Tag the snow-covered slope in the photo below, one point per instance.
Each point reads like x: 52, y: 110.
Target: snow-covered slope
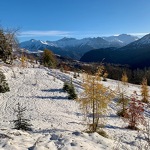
x: 72, y: 42
x: 58, y: 123
x: 34, y: 45
x: 144, y: 42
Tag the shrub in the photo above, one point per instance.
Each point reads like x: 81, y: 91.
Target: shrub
x: 102, y: 133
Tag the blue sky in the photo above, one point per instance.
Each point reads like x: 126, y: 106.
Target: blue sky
x: 55, y: 19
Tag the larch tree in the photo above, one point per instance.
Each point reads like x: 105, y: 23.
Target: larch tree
x: 95, y: 98
x: 144, y: 91
x: 122, y: 97
x: 105, y: 75
x: 124, y: 78
x: 122, y: 100
x: 23, y: 61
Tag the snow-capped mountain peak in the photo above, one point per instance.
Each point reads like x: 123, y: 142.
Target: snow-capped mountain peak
x: 141, y: 43
x: 75, y: 48
x: 145, y: 39
x: 124, y: 39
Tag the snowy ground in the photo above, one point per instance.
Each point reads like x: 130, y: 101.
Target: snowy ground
x: 57, y: 122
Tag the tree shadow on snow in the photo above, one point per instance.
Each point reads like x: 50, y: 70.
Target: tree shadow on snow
x: 79, y: 114
x: 112, y: 116
x: 49, y: 130
x: 52, y: 90
x: 113, y: 127
x: 52, y: 97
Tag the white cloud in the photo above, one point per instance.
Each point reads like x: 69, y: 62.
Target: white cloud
x: 76, y: 34
x: 44, y: 33
x: 139, y: 34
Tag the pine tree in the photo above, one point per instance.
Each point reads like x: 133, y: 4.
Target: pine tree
x: 144, y: 91
x: 21, y: 123
x: 48, y: 59
x: 66, y: 86
x: 95, y: 98
x: 69, y: 88
x: 71, y: 92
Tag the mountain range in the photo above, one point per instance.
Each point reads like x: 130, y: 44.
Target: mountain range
x: 76, y: 48
x: 135, y: 54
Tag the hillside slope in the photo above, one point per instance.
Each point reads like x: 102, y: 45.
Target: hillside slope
x: 57, y: 122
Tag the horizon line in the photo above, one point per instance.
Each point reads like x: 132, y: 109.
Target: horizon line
x: 34, y: 34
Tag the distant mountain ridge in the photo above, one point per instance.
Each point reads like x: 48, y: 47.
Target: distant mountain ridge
x: 75, y: 48
x: 123, y: 39
x: 135, y: 54
x: 144, y: 42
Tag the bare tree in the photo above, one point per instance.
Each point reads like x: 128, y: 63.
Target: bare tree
x: 11, y: 36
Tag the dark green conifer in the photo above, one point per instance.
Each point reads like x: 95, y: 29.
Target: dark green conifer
x: 21, y: 123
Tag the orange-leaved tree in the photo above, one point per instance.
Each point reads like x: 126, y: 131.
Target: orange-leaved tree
x: 95, y: 98
x: 144, y: 91
x: 122, y: 97
x: 135, y: 113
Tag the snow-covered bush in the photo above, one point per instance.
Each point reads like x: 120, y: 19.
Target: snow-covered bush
x: 3, y: 84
